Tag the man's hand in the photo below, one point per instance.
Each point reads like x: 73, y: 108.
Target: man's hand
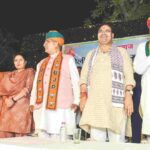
x: 74, y: 107
x: 128, y: 104
x: 83, y: 102
x: 83, y: 96
x: 35, y: 107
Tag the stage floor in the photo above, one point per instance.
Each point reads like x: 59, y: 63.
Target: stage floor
x: 32, y: 143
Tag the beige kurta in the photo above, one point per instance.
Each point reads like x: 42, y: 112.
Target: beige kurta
x: 98, y: 111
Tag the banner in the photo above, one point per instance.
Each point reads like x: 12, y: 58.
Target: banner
x: 80, y: 50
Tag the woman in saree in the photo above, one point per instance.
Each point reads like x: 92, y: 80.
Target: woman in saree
x: 15, y: 87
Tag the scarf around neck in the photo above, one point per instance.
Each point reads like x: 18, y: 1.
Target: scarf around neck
x: 147, y: 48
x: 117, y: 74
x: 53, y: 82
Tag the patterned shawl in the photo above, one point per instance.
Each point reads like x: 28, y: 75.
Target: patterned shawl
x: 117, y: 75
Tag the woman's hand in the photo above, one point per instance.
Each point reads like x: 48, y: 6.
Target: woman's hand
x: 22, y: 93
x: 9, y: 102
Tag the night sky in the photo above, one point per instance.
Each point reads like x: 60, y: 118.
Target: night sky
x: 35, y: 16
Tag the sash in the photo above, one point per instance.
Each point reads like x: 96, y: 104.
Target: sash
x: 53, y: 82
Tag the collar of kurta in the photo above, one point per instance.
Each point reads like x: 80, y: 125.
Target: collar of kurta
x: 53, y: 82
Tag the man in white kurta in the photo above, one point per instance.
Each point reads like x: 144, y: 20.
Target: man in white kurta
x: 142, y: 67
x: 48, y: 122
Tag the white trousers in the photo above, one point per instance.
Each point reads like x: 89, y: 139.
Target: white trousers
x: 148, y: 138
x: 50, y: 120
x: 106, y: 134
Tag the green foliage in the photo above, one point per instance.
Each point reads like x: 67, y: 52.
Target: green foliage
x: 119, y: 10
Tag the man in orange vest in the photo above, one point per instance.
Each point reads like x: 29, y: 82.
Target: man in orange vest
x: 55, y: 93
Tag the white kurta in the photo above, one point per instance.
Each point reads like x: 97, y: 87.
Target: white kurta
x: 142, y: 67
x: 50, y: 120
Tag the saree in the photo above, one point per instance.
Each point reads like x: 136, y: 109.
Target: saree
x: 15, y: 117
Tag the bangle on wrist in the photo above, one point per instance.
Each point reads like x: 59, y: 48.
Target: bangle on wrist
x: 13, y: 100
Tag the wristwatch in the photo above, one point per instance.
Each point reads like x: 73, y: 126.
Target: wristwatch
x: 130, y: 91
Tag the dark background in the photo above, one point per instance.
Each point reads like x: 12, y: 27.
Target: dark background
x: 23, y: 24
x: 35, y: 16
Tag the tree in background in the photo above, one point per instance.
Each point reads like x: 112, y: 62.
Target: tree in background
x: 118, y: 10
x: 32, y: 46
x: 8, y: 46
